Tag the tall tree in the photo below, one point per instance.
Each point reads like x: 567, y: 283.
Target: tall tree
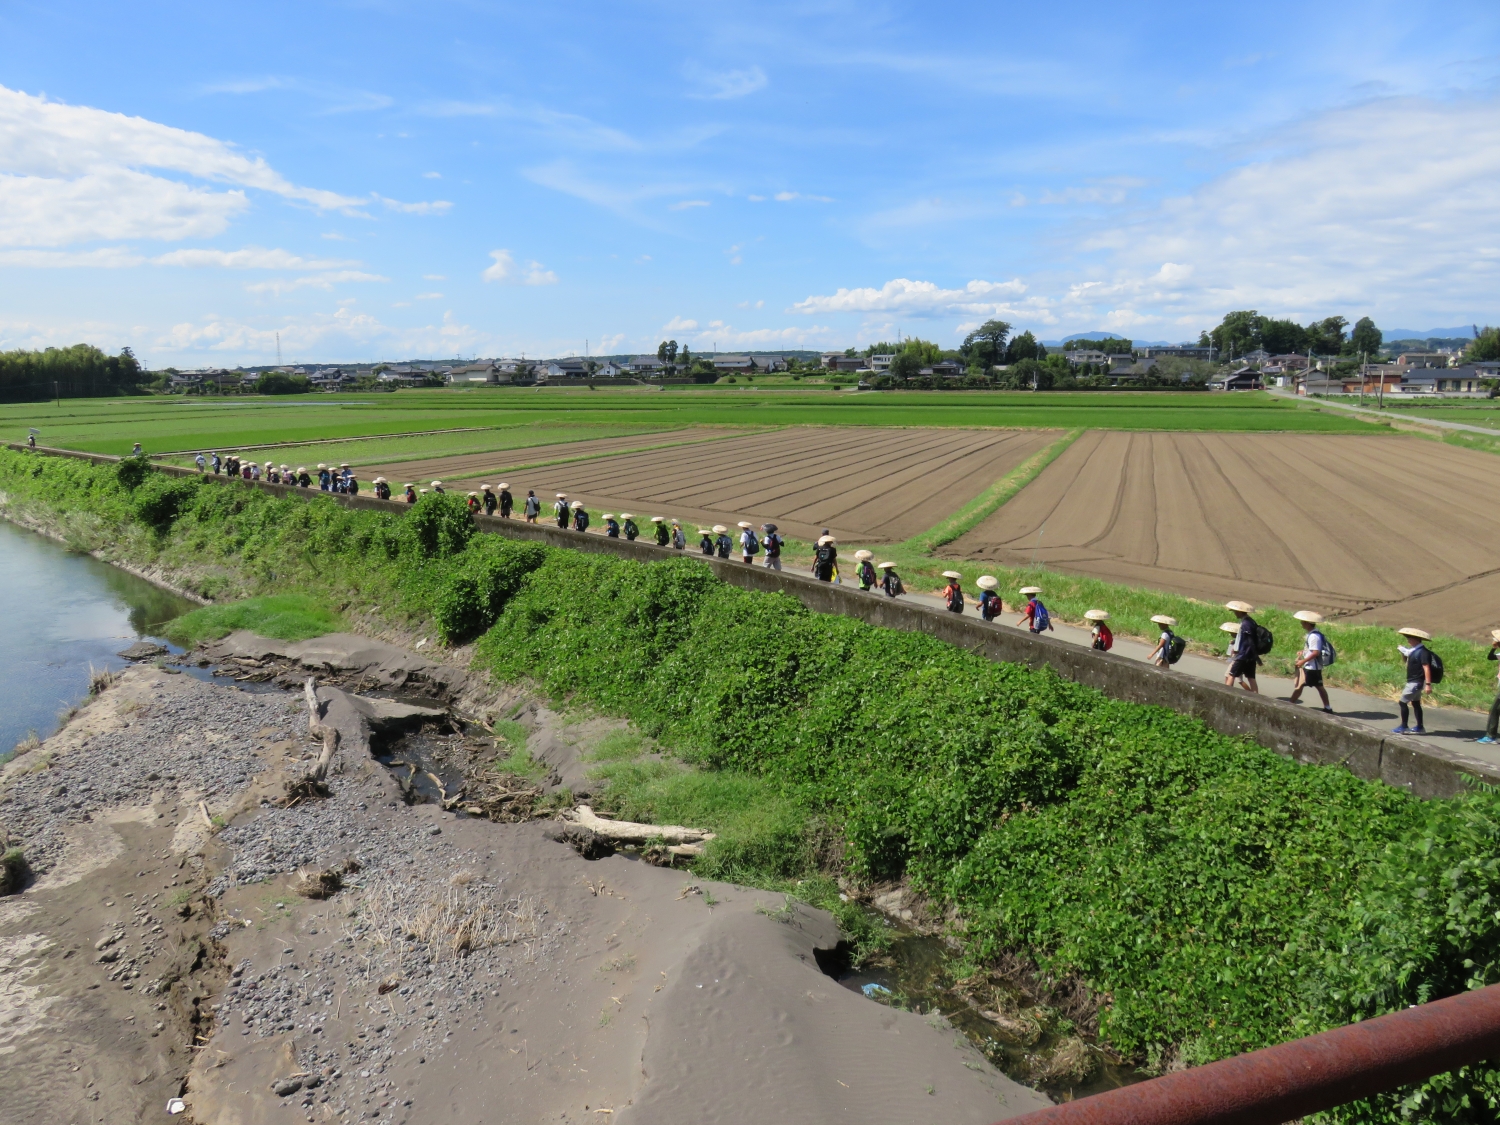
x: 1366, y: 337
x: 1486, y: 345
x: 1326, y: 336
x: 1022, y: 347
x: 1282, y: 337
x: 985, y: 346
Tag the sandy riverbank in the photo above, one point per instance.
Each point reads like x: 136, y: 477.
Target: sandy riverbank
x: 467, y: 971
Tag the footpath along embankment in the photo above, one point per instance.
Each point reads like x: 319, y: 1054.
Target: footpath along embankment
x: 1304, y: 735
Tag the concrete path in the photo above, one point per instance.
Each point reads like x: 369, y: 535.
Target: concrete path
x: 1450, y: 726
x: 1398, y: 416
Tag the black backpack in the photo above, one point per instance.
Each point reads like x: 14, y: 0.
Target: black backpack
x: 825, y: 555
x: 1175, y: 648
x: 1437, y: 667
x: 752, y: 544
x: 1264, y: 638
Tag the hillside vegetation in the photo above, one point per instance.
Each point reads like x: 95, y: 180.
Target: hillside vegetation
x: 1210, y: 895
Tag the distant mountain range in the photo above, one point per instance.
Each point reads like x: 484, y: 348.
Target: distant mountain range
x: 1464, y: 331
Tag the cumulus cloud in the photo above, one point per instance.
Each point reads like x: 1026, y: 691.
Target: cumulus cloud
x: 789, y: 196
x: 74, y: 173
x: 433, y: 207
x: 917, y: 298
x: 678, y: 324
x: 724, y: 84
x: 279, y: 286
x: 344, y: 332
x: 504, y: 268
x: 725, y: 335
x: 109, y: 257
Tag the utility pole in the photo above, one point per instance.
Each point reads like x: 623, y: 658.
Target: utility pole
x: 278, y: 349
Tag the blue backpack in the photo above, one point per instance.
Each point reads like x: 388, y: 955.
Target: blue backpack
x: 1041, y: 620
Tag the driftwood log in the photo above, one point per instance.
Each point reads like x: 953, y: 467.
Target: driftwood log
x: 679, y: 841
x: 319, y: 729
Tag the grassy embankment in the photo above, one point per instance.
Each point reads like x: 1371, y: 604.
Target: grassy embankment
x: 1212, y: 895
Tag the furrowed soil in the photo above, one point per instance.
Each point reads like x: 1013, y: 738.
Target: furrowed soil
x: 871, y: 485
x: 466, y: 971
x: 1383, y: 530
x: 474, y: 466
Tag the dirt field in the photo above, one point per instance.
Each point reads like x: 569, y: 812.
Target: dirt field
x: 866, y: 485
x: 1372, y: 528
x: 476, y: 466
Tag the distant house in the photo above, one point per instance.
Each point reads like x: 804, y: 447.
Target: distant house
x: 946, y: 369
x: 1179, y: 351
x: 644, y: 364
x: 1245, y: 379
x: 1258, y: 357
x: 847, y: 363
x: 571, y: 368
x: 1291, y: 362
x: 770, y: 362
x: 881, y: 362
x: 1423, y: 359
x: 734, y: 363
x: 609, y: 369
x: 401, y: 377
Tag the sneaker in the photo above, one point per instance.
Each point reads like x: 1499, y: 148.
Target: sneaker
x: 1487, y: 740
x: 1327, y: 710
x: 1417, y: 730
x: 1401, y: 730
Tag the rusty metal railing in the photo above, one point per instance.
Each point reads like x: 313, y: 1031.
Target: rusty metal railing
x: 1304, y: 1076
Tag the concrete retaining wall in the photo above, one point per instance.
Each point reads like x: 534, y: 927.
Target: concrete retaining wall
x: 1305, y: 735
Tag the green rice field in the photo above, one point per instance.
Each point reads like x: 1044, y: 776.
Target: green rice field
x: 514, y: 418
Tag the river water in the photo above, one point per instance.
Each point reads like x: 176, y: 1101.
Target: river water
x: 62, y: 612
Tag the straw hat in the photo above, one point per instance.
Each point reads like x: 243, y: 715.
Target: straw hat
x: 343, y: 464
x: 623, y: 515
x: 886, y: 565
x: 301, y: 469
x: 1031, y: 589
x: 269, y: 465
x: 1163, y: 619
x: 662, y: 519
x: 719, y: 529
x: 576, y: 505
x: 1308, y: 615
x: 485, y: 488
x: 864, y: 554
x: 1413, y: 631
x: 380, y: 480
x: 1097, y: 615
x: 952, y: 574
x: 705, y: 531
x: 437, y: 484
x: 826, y: 539
x: 562, y: 495
x: 1230, y: 627
x: 283, y: 468
x: 475, y: 495
x: 987, y: 582
x: 321, y: 466
x: 607, y: 516
x: 746, y: 524
x: 502, y: 486
x: 1495, y: 635
x: 424, y: 491
x: 408, y: 486
x: 1239, y: 607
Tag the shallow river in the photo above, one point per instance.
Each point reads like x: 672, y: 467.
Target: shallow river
x: 61, y: 612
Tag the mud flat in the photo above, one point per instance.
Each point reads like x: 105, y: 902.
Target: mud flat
x: 1371, y: 528
x: 866, y: 484
x: 436, y: 967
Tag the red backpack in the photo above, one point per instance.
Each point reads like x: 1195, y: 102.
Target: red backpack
x: 1106, y: 639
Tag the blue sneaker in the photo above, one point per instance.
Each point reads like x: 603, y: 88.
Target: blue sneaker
x: 1417, y: 730
x: 1401, y: 730
x: 1487, y: 740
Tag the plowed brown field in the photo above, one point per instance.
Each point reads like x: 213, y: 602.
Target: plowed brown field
x: 865, y: 484
x: 475, y: 466
x: 1371, y: 528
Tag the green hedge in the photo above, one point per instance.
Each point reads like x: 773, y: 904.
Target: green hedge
x: 1215, y: 896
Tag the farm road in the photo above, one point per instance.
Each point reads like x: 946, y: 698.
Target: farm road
x: 1450, y: 726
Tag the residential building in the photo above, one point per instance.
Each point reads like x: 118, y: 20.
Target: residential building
x: 1244, y: 379
x: 1423, y: 359
x: 1292, y: 362
x: 644, y: 364
x: 880, y: 363
x: 847, y: 363
x: 609, y: 369
x: 770, y: 362
x: 570, y: 368
x: 1179, y: 351
x: 734, y: 363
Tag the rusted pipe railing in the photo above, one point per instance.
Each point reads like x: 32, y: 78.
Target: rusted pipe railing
x: 1304, y: 1076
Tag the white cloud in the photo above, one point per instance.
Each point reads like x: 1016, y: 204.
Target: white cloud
x: 335, y: 99
x: 756, y: 198
x: 724, y: 335
x: 610, y: 343
x: 920, y: 298
x: 278, y: 286
x: 344, y: 332
x: 789, y: 196
x: 428, y: 297
x: 74, y: 173
x: 722, y: 84
x: 432, y: 175
x: 109, y: 257
x: 678, y: 324
x: 435, y: 207
x: 687, y: 204
x: 505, y: 269
x: 434, y: 277
x: 250, y: 258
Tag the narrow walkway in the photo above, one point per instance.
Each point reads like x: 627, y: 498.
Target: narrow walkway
x: 1389, y: 417
x: 1446, y: 725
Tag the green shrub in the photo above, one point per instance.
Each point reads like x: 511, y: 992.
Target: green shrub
x: 159, y: 500
x: 439, y: 525
x: 474, y: 591
x: 130, y: 471
x: 13, y: 871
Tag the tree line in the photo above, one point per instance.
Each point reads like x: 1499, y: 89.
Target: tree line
x: 80, y: 371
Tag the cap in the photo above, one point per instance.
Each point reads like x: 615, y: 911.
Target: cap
x: 1413, y: 631
x: 987, y: 582
x: 952, y: 574
x: 1163, y: 619
x: 1096, y: 614
x: 1308, y: 615
x: 1230, y: 627
x: 864, y: 554
x: 1031, y: 589
x: 1239, y: 607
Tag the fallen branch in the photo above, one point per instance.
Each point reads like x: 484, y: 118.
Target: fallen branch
x: 319, y: 729
x: 629, y: 832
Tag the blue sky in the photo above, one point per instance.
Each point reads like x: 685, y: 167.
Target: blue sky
x: 383, y: 179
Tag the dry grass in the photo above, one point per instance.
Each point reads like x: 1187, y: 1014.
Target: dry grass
x: 100, y: 679
x: 452, y: 920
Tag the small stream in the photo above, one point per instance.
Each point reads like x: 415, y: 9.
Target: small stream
x: 914, y: 974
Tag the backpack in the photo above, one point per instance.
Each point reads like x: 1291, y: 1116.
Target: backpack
x: 1041, y: 620
x: 1175, y: 648
x: 1106, y: 638
x: 1328, y: 654
x: 955, y: 598
x: 751, y: 544
x: 1264, y: 638
x: 1437, y: 667
x: 825, y: 556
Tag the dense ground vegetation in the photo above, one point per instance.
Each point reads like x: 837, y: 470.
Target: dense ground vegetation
x: 80, y: 371
x: 1211, y: 895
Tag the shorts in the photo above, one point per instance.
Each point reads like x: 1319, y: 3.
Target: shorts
x: 1312, y: 677
x: 773, y: 562
x: 1412, y: 693
x: 1243, y: 666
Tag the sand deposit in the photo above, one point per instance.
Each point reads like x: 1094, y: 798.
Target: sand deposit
x: 457, y: 970
x: 1371, y: 528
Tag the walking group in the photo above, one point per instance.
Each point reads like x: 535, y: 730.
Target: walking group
x: 340, y: 480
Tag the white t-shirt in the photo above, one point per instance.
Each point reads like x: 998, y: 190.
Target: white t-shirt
x: 1312, y: 648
